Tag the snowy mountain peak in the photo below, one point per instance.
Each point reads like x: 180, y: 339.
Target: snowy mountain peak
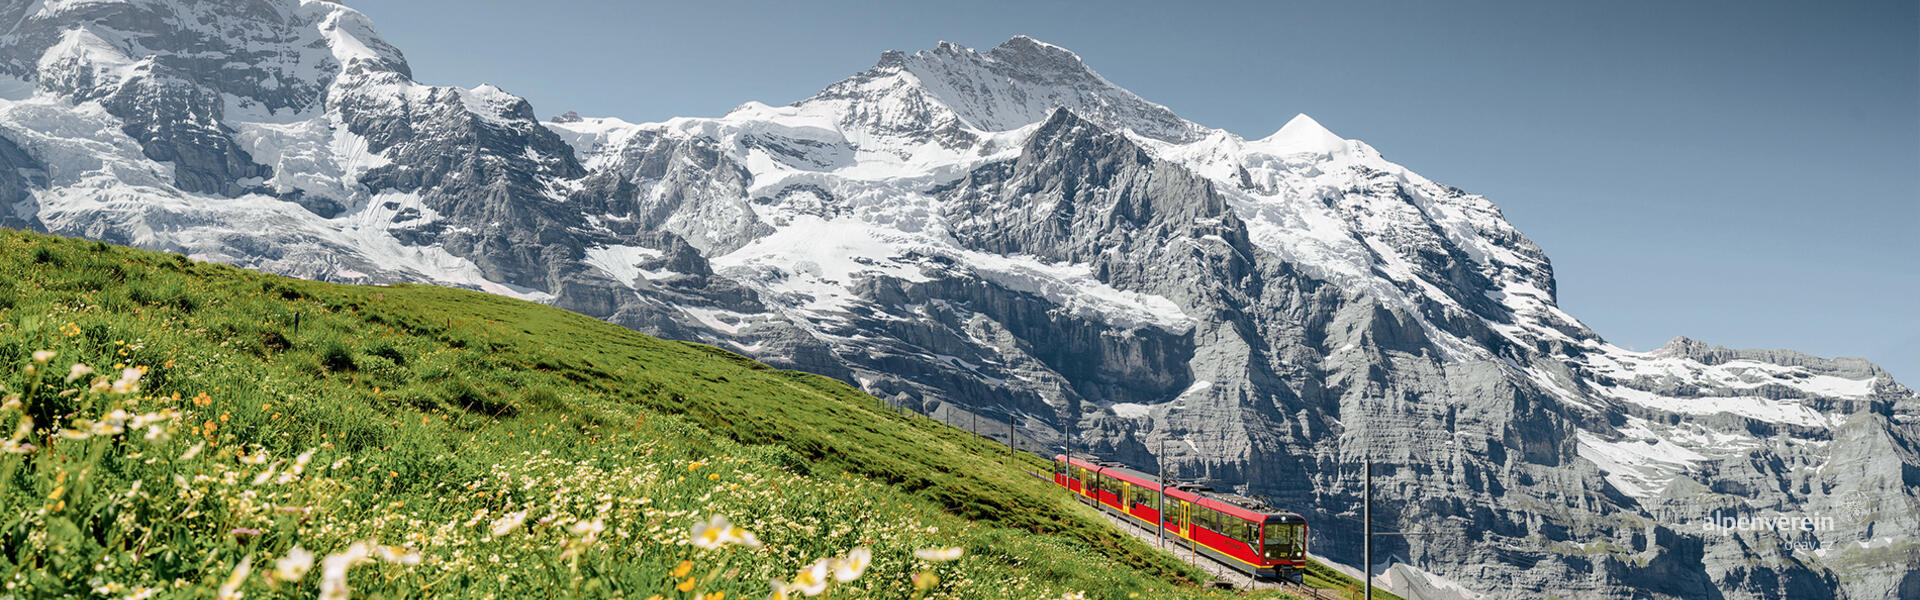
x: 1302, y: 134
x: 269, y: 55
x: 1015, y: 84
x: 1021, y: 48
x: 1681, y: 346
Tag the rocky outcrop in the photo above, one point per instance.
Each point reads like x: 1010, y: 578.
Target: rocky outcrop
x: 20, y: 175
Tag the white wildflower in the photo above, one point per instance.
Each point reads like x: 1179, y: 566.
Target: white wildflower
x: 231, y: 589
x: 129, y: 382
x: 333, y: 571
x: 812, y: 581
x: 711, y: 534
x: 397, y: 555
x: 262, y: 478
x: 939, y: 554
x: 589, y: 531
x: 509, y: 523
x: 855, y: 563
x: 293, y: 566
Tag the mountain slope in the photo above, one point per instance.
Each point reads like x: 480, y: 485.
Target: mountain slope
x: 1007, y: 234
x: 461, y: 408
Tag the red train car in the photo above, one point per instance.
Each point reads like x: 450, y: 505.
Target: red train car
x: 1234, y: 530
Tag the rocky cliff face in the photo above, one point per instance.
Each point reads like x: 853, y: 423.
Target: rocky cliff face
x: 1005, y: 235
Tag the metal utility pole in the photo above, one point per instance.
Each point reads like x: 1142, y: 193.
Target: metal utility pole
x: 1160, y: 529
x: 1366, y: 520
x: 1069, y: 429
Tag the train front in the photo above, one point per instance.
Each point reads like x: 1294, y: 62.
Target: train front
x: 1283, y: 545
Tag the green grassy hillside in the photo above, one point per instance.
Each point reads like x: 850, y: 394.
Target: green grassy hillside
x: 419, y: 440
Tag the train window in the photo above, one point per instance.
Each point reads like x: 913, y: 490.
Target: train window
x: 1243, y: 530
x: 1284, y: 541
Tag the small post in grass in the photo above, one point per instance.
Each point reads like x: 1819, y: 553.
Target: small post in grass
x: 1010, y: 438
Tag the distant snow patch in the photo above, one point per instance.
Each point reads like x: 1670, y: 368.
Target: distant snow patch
x: 623, y: 262
x: 1642, y: 463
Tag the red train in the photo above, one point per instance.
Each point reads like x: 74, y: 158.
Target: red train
x: 1235, y: 530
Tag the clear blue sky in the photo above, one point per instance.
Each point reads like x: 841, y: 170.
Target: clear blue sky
x: 1743, y: 173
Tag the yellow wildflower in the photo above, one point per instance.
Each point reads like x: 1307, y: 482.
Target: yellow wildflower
x: 925, y: 580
